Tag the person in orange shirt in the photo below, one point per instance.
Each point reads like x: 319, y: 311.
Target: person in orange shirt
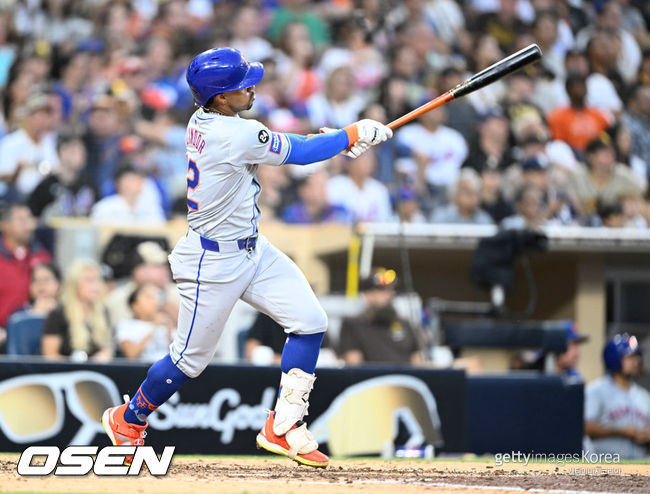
x: 577, y: 124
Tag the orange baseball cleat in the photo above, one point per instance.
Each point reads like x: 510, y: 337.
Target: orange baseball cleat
x: 121, y: 432
x: 297, y: 444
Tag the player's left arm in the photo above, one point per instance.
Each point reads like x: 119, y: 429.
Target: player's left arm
x: 354, y: 139
x: 254, y: 143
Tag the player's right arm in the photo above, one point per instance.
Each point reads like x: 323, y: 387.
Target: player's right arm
x: 257, y: 144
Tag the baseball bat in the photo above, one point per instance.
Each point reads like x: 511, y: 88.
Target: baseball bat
x: 486, y: 76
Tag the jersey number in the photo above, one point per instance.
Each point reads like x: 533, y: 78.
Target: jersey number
x: 193, y: 175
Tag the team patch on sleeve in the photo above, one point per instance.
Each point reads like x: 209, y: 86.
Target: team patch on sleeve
x: 263, y: 136
x: 276, y: 144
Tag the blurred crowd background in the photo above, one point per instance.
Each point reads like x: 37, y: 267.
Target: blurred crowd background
x: 94, y: 106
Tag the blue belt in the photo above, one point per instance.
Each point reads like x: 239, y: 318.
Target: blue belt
x: 244, y: 243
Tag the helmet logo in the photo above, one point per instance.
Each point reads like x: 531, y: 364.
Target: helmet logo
x: 245, y: 61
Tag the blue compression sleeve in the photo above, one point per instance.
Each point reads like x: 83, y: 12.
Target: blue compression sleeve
x: 305, y: 150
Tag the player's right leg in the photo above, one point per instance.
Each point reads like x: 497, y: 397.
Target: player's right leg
x: 280, y: 290
x: 209, y: 283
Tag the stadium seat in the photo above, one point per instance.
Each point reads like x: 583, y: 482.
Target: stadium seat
x: 24, y: 332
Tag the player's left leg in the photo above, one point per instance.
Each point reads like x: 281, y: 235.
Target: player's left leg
x: 280, y: 290
x: 209, y: 283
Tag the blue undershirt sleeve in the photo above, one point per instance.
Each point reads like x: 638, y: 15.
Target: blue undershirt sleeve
x: 305, y: 150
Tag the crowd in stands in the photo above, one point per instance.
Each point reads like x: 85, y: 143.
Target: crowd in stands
x: 94, y: 105
x: 89, y: 314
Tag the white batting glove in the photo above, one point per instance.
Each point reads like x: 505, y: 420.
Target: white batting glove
x: 372, y: 131
x: 357, y: 149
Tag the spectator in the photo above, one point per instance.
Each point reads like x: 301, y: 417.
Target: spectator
x: 465, y: 194
x: 492, y: 149
x: 567, y: 361
x: 379, y: 334
x: 637, y: 120
x: 78, y: 328
x: 313, y: 205
x: 559, y: 206
x: 296, y: 73
x: 245, y: 30
x: 624, y: 154
x: 635, y: 210
x: 604, y: 83
x: 407, y: 205
x: 146, y: 337
x: 44, y: 286
x: 577, y: 124
x: 357, y: 52
x: 437, y: 153
x: 66, y: 192
x: 464, y: 117
x: 611, y: 215
x: 102, y: 140
x: 133, y: 204
x: 340, y: 104
x: 529, y: 205
x: 504, y: 23
x: 298, y: 11
x: 169, y: 161
x: 602, y: 179
x: 150, y: 267
x: 545, y: 32
x: 492, y: 200
x: 628, y: 53
x: 29, y: 153
x: 273, y: 199
x: 19, y: 254
x: 358, y: 192
x: 616, y: 408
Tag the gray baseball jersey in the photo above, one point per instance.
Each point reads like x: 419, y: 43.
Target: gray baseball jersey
x: 608, y: 404
x: 223, y: 155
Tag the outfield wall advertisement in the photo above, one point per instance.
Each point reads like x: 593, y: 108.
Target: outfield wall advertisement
x: 358, y: 411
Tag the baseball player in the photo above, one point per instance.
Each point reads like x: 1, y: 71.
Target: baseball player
x: 617, y: 410
x: 223, y: 257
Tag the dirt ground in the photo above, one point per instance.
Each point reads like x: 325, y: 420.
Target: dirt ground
x: 270, y: 475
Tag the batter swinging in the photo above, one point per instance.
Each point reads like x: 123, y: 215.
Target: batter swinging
x: 223, y: 257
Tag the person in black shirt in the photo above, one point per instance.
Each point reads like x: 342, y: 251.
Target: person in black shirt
x: 65, y: 192
x: 79, y: 327
x: 379, y: 334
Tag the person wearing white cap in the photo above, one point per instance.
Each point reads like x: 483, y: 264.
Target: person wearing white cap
x: 29, y: 153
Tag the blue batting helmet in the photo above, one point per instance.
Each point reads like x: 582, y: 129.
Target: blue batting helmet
x: 617, y: 348
x: 220, y: 70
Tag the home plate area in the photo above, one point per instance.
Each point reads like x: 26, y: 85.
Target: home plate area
x: 261, y: 475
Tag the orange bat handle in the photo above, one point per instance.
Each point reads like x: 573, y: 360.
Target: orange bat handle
x: 434, y: 103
